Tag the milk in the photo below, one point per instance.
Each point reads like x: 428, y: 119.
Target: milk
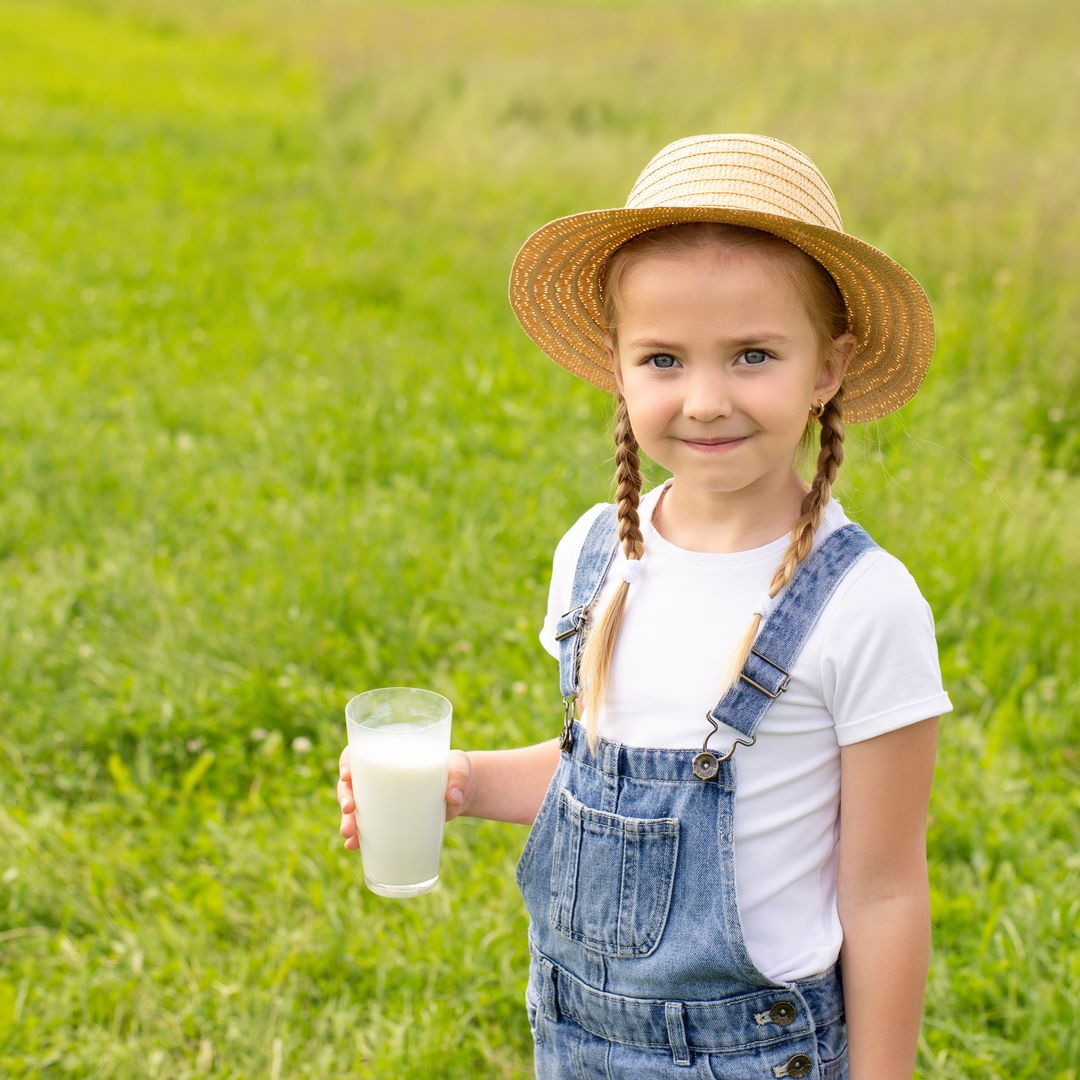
x: 399, y: 784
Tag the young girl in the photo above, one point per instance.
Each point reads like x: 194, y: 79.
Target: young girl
x: 726, y: 874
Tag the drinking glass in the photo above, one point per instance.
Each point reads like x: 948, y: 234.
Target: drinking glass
x: 399, y: 745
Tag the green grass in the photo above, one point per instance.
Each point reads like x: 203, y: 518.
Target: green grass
x: 270, y: 435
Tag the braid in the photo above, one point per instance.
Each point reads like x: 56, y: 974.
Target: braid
x: 802, y: 535
x: 829, y: 461
x: 627, y: 482
x: 599, y: 645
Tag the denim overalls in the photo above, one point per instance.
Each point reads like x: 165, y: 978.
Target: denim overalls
x: 638, y: 966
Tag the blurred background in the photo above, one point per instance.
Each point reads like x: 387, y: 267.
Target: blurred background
x: 270, y: 435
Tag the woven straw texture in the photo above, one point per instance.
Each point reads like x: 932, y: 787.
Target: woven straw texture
x: 745, y: 180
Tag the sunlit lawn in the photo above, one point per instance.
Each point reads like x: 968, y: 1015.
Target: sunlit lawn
x: 270, y: 435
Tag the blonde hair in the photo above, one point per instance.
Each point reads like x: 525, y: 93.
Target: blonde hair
x: 825, y: 307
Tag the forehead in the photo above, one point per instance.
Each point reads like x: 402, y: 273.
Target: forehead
x: 710, y: 284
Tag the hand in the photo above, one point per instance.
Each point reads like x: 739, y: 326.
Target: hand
x: 458, y: 793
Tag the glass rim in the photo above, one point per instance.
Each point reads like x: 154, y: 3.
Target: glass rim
x: 445, y: 717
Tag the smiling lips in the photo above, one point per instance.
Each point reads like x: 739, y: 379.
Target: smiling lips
x: 715, y: 446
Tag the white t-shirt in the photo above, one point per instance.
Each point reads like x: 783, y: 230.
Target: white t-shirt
x: 870, y: 665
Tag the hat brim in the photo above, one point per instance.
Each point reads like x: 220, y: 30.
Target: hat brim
x: 555, y: 294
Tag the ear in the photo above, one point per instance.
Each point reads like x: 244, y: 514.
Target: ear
x: 613, y: 357
x: 835, y: 366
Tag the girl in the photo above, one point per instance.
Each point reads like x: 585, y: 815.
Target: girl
x: 726, y: 875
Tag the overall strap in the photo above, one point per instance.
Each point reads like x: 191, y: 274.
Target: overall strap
x: 597, y: 554
x: 765, y: 674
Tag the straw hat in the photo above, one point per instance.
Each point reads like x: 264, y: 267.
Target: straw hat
x: 745, y: 180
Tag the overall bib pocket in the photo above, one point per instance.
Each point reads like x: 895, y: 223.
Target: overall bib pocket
x: 611, y: 878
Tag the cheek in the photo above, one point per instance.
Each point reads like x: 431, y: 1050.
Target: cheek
x: 650, y: 410
x: 780, y: 403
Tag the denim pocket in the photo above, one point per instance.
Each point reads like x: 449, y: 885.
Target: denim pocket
x: 611, y: 878
x: 533, y: 1012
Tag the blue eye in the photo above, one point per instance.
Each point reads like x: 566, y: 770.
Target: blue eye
x: 755, y: 357
x: 654, y: 361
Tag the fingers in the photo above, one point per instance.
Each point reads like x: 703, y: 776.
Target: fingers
x: 348, y: 814
x: 349, y: 832
x: 345, y: 800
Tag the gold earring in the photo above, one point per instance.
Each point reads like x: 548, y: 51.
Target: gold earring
x: 818, y: 409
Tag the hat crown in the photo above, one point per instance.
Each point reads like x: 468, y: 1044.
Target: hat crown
x: 741, y: 172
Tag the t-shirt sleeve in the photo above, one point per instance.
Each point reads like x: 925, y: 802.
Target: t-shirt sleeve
x: 563, y: 566
x: 879, y: 659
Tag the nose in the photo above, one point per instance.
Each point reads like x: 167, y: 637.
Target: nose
x: 708, y: 395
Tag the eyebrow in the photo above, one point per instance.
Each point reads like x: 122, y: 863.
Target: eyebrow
x: 744, y: 342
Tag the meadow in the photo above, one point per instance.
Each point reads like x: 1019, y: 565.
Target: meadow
x: 270, y: 435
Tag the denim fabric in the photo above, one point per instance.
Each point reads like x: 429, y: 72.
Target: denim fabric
x: 597, y: 554
x: 638, y: 966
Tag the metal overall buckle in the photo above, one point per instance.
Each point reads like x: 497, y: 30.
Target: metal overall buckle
x: 566, y: 740
x: 707, y: 764
x: 771, y: 695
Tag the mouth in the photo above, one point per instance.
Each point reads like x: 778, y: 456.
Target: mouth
x: 715, y: 446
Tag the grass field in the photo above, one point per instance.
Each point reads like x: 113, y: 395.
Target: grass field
x: 270, y: 435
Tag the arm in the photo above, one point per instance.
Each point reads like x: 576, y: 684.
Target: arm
x: 509, y: 785
x: 883, y: 896
x: 504, y: 785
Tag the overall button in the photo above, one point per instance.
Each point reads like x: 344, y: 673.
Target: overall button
x: 797, y: 1066
x: 706, y: 765
x: 782, y: 1013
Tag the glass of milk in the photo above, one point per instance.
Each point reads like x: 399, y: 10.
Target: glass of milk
x: 399, y: 745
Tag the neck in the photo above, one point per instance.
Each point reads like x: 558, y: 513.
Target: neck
x: 725, y: 522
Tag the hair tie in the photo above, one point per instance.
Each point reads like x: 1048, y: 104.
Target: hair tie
x: 631, y: 571
x: 765, y: 605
